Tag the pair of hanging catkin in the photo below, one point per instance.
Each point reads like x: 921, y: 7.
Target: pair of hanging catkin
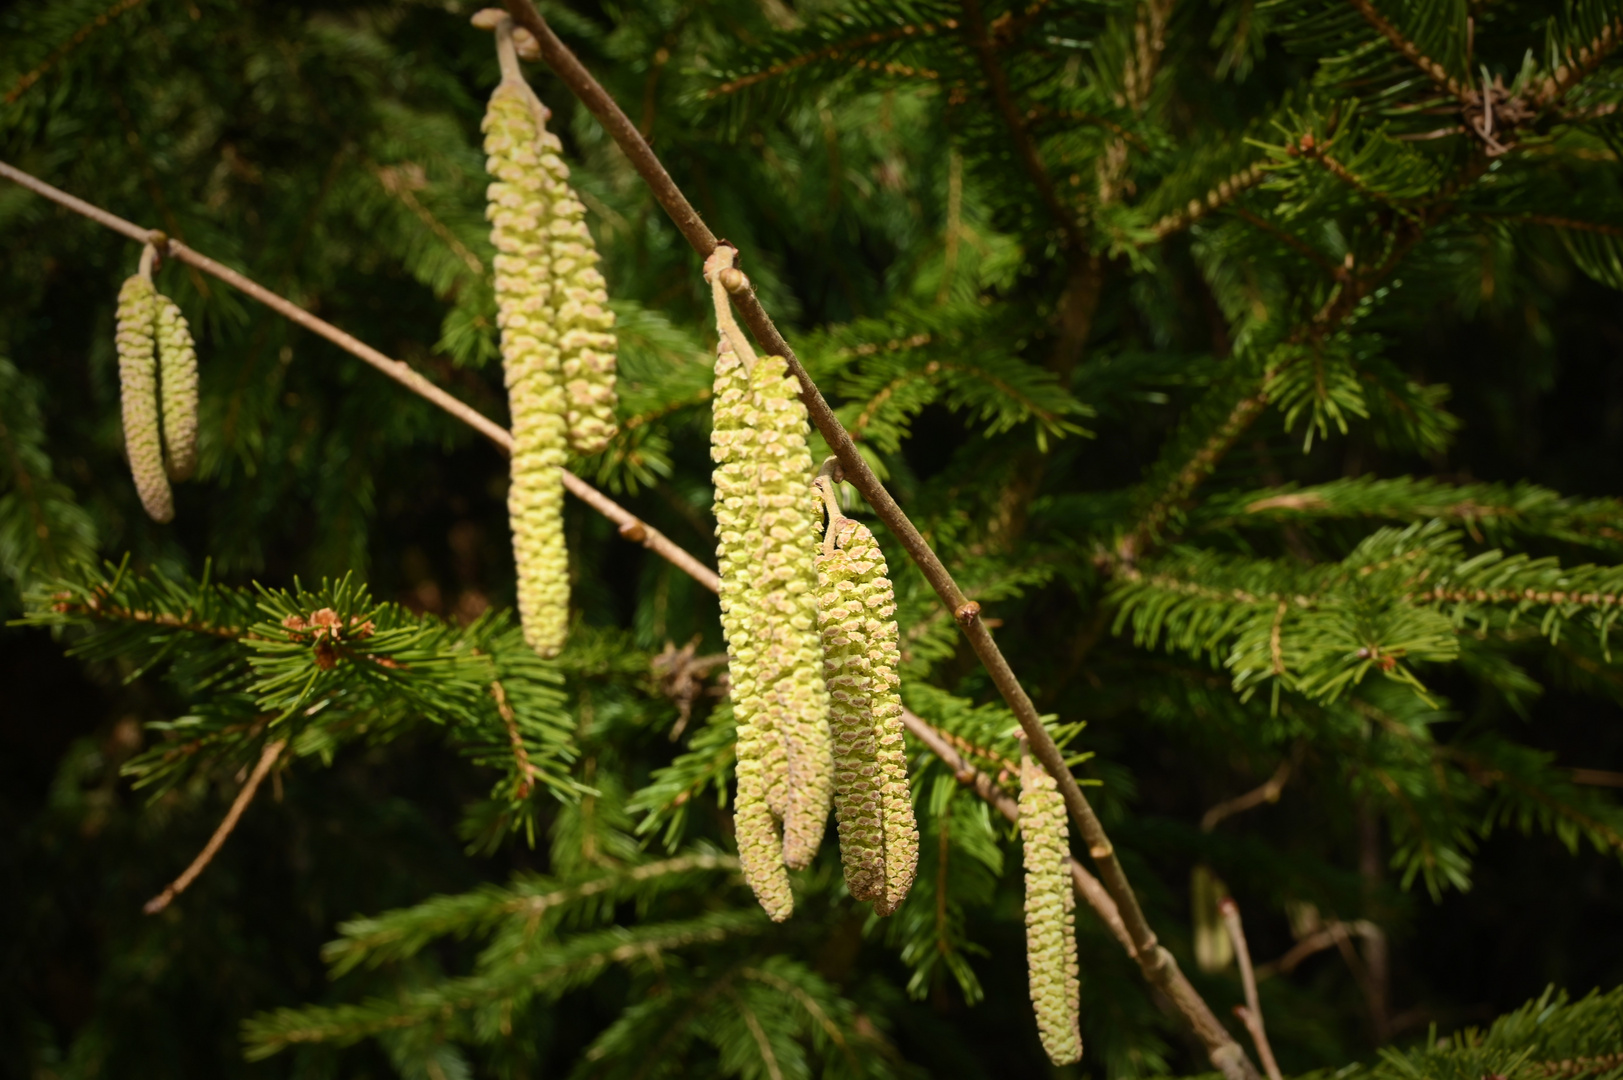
x: 157, y: 376
x: 557, y: 340
x: 807, y: 635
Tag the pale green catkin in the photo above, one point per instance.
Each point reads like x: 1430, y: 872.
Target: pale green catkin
x: 763, y: 770
x: 1050, y: 915
x: 520, y: 203
x: 879, y: 839
x: 784, y: 566
x: 177, y: 363
x: 138, y: 393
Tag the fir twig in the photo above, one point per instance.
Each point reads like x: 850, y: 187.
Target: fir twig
x: 262, y: 769
x: 1250, y: 1013
x: 1409, y: 50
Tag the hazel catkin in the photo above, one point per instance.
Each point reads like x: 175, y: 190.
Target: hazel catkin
x: 519, y: 210
x: 879, y: 842
x: 762, y: 766
x: 1051, y: 961
x: 138, y: 394
x: 790, y: 659
x: 177, y: 365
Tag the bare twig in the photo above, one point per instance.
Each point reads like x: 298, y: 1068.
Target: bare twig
x: 1331, y: 935
x: 1250, y: 1013
x: 1267, y: 792
x: 244, y: 797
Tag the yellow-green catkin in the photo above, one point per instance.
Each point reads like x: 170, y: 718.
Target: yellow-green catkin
x: 762, y: 765
x: 177, y: 365
x: 790, y: 671
x: 879, y: 839
x: 138, y: 392
x: 1050, y: 915
x: 519, y: 206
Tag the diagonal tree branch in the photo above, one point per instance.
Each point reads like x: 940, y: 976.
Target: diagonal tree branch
x: 1156, y: 962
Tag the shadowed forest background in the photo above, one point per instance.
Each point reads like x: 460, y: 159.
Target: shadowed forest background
x: 1445, y: 308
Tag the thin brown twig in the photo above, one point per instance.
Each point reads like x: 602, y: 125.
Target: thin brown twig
x: 1086, y: 885
x: 1250, y: 1013
x: 267, y: 759
x: 1267, y: 792
x: 631, y: 527
x: 1157, y: 964
x: 1024, y: 146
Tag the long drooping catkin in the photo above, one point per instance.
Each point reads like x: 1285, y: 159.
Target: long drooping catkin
x: 138, y: 394
x: 177, y: 363
x: 1050, y: 914
x: 791, y: 658
x: 763, y: 770
x: 879, y: 840
x: 520, y: 212
x: 842, y: 617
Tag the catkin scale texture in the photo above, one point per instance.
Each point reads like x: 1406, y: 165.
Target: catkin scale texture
x: 519, y: 206
x: 879, y: 841
x: 1050, y: 915
x: 138, y: 394
x: 790, y: 657
x: 177, y: 364
x: 552, y: 251
x: 763, y: 771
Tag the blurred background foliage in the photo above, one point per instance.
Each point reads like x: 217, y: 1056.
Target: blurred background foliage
x: 1421, y: 348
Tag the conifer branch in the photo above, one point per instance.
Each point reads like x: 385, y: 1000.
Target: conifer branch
x: 21, y: 85
x: 1221, y: 194
x: 1409, y: 50
x: 267, y: 758
x: 839, y: 50
x: 1582, y: 64
x: 1025, y: 148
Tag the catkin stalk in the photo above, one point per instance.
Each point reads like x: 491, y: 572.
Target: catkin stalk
x: 785, y: 571
x: 1050, y: 915
x: 879, y: 840
x: 763, y: 769
x: 138, y: 394
x: 177, y: 363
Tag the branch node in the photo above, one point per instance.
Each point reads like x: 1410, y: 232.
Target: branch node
x: 967, y: 612
x: 634, y: 530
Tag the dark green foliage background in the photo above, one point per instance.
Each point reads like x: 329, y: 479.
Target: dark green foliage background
x: 331, y: 151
